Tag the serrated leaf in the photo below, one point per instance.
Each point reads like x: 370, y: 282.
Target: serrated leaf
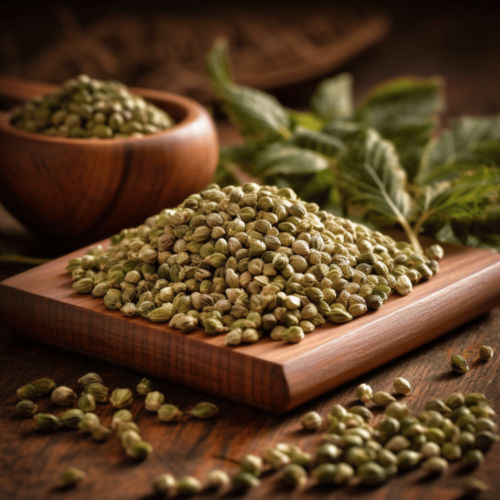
x: 410, y: 137
x: 373, y: 178
x: 344, y: 130
x: 219, y: 66
x: 307, y: 120
x: 401, y: 98
x: 279, y: 159
x: 333, y: 98
x: 470, y: 142
x: 320, y: 142
x: 404, y: 112
x: 259, y: 116
x: 482, y: 233
x: 466, y: 198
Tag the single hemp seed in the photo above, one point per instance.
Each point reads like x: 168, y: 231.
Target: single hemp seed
x: 401, y: 386
x: 485, y: 352
x: 459, y: 364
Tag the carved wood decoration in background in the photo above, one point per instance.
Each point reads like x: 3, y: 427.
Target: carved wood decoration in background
x: 167, y: 51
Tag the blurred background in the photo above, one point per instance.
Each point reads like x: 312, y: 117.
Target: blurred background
x: 283, y: 47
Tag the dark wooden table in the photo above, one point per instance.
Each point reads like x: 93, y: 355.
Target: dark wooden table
x: 457, y: 41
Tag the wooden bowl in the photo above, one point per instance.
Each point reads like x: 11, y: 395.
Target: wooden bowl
x: 81, y: 190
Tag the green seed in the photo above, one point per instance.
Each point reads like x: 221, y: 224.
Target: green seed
x: 163, y: 483
x: 294, y: 475
x: 459, y: 364
x: 485, y: 352
x: 204, y: 411
x: 44, y: 385
x: 187, y: 486
x: 244, y: 481
x: 71, y: 477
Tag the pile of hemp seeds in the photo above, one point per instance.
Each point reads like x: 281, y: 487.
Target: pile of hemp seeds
x: 85, y: 108
x: 250, y: 261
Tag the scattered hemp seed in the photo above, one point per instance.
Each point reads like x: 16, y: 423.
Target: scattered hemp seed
x: 44, y: 385
x: 459, y: 364
x: 244, y: 481
x: 28, y: 392
x: 311, y: 421
x: 140, y: 450
x: 71, y: 477
x: 364, y: 393
x: 121, y: 398
x: 251, y: 464
x: 88, y: 422
x: 154, y: 400
x: 129, y: 438
x: 144, y: 386
x: 86, y: 403
x: 63, y: 396
x: 119, y: 417
x: 188, y: 486
x: 485, y: 352
x: 383, y: 398
x: 163, y: 484
x: 90, y: 378
x: 101, y: 433
x: 218, y: 479
x: 72, y: 418
x: 401, y: 386
x: 473, y: 486
x: 46, y: 421
x: 26, y: 408
x: 99, y: 391
x: 169, y: 413
x: 204, y: 411
x: 294, y: 475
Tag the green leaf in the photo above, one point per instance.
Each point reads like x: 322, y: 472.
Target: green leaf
x: 410, y: 137
x: 219, y: 66
x: 482, y: 233
x: 307, y: 120
x: 396, y: 100
x: 333, y: 98
x: 470, y: 142
x: 373, y: 178
x: 320, y: 142
x: 346, y: 131
x: 281, y: 159
x: 404, y: 112
x: 259, y: 116
x: 465, y: 199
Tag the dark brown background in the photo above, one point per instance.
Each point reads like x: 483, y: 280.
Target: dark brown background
x: 458, y: 41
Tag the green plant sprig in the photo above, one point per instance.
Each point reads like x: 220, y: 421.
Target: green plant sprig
x: 380, y: 160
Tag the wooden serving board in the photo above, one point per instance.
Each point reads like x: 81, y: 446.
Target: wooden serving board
x: 42, y: 305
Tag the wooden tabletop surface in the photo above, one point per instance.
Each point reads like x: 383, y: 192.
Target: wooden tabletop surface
x: 459, y: 43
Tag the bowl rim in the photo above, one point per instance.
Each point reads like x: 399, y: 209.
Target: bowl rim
x: 193, y: 109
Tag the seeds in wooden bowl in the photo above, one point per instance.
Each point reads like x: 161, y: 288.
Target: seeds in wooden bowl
x: 85, y: 108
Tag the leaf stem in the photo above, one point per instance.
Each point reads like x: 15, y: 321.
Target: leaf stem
x: 418, y: 225
x: 411, y: 235
x: 19, y: 259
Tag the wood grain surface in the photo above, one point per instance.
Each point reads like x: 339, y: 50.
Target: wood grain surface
x: 82, y: 190
x: 269, y: 375
x: 31, y: 461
